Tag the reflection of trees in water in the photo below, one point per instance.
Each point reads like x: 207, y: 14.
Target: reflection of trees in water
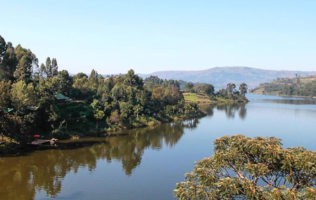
x: 191, y: 124
x: 21, y: 177
x: 229, y: 109
x: 232, y: 109
x: 207, y: 109
x: 242, y: 111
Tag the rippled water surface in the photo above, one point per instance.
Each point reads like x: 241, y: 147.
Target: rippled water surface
x: 147, y: 163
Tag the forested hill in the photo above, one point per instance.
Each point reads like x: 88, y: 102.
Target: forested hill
x: 298, y: 86
x: 221, y: 76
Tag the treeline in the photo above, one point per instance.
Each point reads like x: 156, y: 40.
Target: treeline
x: 40, y: 99
x: 229, y: 93
x: 299, y: 86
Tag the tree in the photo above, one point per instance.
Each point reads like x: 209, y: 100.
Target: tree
x: 137, y: 110
x: 93, y: 80
x: 118, y: 93
x: 243, y: 89
x: 207, y: 89
x: 4, y: 106
x: 230, y: 89
x: 189, y: 87
x: 23, y: 95
x: 23, y: 121
x: 48, y: 67
x: 80, y: 83
x: 115, y: 117
x: 54, y: 67
x: 8, y: 60
x: 152, y: 81
x: 98, y: 111
x: 3, y: 47
x: 131, y: 79
x: 172, y: 95
x: 252, y: 168
x: 62, y: 82
x: 26, y: 62
x: 158, y: 93
x: 4, y: 94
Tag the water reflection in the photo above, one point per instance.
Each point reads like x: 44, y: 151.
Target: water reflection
x: 230, y: 110
x: 21, y: 177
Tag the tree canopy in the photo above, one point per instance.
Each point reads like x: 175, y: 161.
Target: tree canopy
x: 252, y: 168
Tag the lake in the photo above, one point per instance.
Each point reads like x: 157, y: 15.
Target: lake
x: 147, y: 163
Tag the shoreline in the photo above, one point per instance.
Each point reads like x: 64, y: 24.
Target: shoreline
x: 294, y: 96
x: 13, y: 149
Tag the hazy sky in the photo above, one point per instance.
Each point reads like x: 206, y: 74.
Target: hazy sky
x: 114, y: 36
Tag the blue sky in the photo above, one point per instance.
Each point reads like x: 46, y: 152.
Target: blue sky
x: 114, y: 36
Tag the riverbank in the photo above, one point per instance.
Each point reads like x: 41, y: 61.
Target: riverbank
x: 12, y: 148
x: 68, y: 139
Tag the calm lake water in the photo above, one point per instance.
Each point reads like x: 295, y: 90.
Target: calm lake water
x: 148, y: 163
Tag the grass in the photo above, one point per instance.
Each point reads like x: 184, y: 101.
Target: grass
x: 204, y: 99
x: 196, y: 98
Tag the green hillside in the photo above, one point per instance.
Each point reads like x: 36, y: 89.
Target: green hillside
x: 299, y: 86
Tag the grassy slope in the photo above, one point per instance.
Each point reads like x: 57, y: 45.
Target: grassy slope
x: 196, y: 98
x: 204, y: 99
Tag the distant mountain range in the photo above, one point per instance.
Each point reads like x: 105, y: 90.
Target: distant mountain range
x: 220, y: 76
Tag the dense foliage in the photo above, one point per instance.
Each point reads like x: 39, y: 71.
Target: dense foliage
x: 42, y: 100
x: 252, y: 168
x: 299, y: 86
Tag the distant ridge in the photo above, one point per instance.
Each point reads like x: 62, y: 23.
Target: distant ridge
x: 220, y: 76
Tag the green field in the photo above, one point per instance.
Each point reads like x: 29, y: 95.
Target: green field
x: 196, y: 98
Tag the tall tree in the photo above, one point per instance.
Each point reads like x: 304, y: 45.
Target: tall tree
x: 93, y: 80
x: 8, y: 60
x: 230, y: 89
x: 26, y: 62
x: 42, y: 71
x: 4, y: 94
x: 3, y: 48
x: 54, y: 67
x: 98, y: 111
x: 48, y: 67
x: 132, y: 79
x: 243, y: 89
